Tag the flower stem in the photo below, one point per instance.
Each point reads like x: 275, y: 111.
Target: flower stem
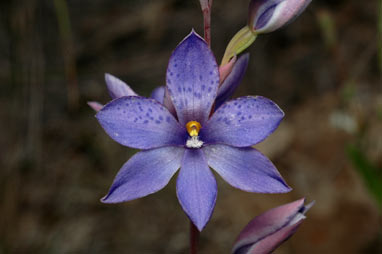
x: 206, y: 9
x: 194, y: 238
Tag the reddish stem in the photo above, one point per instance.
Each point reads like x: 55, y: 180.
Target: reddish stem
x: 194, y: 238
x: 206, y: 9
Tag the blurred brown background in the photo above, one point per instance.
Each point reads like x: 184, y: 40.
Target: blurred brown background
x: 56, y: 162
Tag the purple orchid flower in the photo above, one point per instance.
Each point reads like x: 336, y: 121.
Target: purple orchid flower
x: 117, y: 88
x: 268, y: 15
x: 269, y: 230
x: 192, y: 140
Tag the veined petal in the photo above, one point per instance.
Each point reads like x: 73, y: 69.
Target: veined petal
x: 158, y: 94
x: 245, y: 168
x: 192, y: 79
x: 196, y: 188
x: 267, y: 231
x: 145, y: 173
x: 267, y: 16
x: 96, y: 106
x: 243, y: 122
x: 141, y: 123
x: 232, y: 81
x: 117, y: 88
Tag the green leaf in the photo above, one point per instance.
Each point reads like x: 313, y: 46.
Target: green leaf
x: 242, y: 40
x: 370, y: 174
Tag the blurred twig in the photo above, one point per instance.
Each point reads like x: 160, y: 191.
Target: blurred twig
x: 68, y: 53
x: 379, y: 44
x: 27, y: 73
x: 328, y: 28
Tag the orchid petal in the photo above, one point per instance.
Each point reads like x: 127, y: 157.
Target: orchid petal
x: 158, y: 94
x: 145, y: 173
x: 168, y: 103
x: 232, y: 81
x: 243, y: 122
x: 267, y: 231
x: 267, y: 16
x: 225, y: 70
x: 192, y: 79
x: 117, y: 88
x: 141, y: 123
x: 245, y: 168
x: 96, y: 106
x: 196, y: 188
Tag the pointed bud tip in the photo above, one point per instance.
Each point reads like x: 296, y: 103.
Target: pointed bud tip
x: 96, y: 106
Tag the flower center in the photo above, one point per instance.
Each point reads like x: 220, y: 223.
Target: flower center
x: 193, y: 128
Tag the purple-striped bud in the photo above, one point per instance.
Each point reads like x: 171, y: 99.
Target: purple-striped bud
x: 268, y: 15
x: 267, y: 231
